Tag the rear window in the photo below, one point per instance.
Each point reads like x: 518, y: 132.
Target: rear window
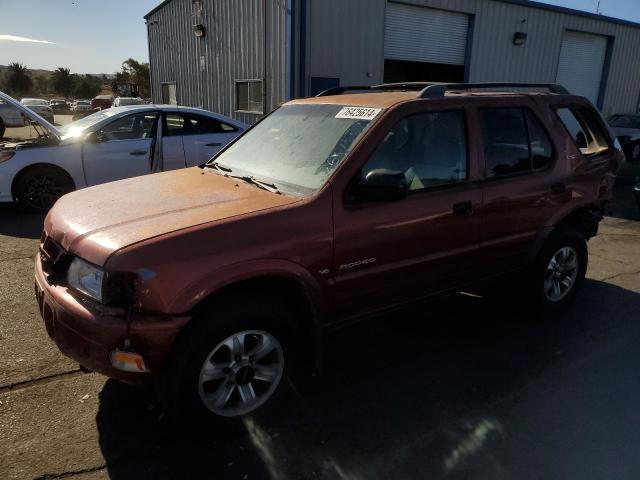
x: 585, y: 130
x: 515, y: 142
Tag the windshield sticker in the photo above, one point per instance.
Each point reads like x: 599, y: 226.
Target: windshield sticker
x: 359, y: 113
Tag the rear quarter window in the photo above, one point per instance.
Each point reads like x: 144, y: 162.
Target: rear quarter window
x: 585, y: 130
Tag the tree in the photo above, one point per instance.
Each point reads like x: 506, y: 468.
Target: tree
x: 62, y: 81
x: 86, y: 86
x: 17, y: 80
x: 43, y: 84
x: 133, y: 72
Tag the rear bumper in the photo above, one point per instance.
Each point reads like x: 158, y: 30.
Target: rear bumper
x: 87, y: 332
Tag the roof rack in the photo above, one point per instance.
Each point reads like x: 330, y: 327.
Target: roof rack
x: 376, y: 88
x: 432, y: 90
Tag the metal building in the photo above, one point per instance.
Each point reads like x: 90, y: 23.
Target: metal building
x: 243, y: 58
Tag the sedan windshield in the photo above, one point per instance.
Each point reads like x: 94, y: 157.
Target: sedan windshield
x: 76, y: 128
x: 298, y: 146
x: 625, y: 121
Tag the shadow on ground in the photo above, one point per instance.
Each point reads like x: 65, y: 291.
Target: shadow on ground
x: 459, y: 388
x: 15, y: 222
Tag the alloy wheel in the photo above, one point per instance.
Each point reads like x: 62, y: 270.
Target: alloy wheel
x: 241, y: 373
x: 42, y: 191
x: 561, y: 274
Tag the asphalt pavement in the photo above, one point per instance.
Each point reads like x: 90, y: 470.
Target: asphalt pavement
x: 463, y: 387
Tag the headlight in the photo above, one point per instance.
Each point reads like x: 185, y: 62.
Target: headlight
x: 6, y: 155
x: 86, y: 278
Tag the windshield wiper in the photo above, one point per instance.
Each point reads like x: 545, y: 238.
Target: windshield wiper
x: 271, y: 187
x: 217, y: 166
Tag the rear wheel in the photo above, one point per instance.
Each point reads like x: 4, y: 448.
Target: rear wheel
x: 38, y: 188
x: 560, y: 269
x: 234, y: 360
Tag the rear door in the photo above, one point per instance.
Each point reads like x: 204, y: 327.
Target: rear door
x: 172, y: 146
x: 389, y: 253
x: 120, y: 149
x: 522, y: 188
x: 204, y: 136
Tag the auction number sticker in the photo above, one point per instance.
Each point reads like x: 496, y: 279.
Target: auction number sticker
x: 359, y: 113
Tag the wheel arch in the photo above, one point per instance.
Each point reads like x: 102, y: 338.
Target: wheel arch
x: 34, y: 166
x: 287, y: 288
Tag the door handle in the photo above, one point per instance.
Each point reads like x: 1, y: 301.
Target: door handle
x: 463, y: 208
x: 558, y: 188
x: 138, y: 152
x: 213, y: 144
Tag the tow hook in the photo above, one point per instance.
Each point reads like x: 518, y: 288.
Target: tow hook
x: 127, y: 359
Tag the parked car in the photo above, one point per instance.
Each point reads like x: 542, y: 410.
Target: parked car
x: 102, y: 101
x: 627, y: 129
x: 218, y: 281
x: 108, y: 145
x: 82, y: 106
x: 40, y: 106
x: 123, y: 101
x: 9, y: 117
x: 58, y: 105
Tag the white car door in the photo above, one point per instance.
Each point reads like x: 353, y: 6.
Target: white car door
x: 120, y: 149
x: 204, y: 136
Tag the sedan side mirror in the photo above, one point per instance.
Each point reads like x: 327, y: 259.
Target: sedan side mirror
x: 382, y: 185
x: 93, y: 137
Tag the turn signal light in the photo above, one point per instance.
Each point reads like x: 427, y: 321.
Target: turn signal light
x: 128, y: 361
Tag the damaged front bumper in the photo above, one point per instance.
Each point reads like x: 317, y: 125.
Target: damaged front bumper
x: 99, y: 337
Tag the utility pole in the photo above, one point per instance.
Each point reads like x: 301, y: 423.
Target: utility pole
x: 598, y: 8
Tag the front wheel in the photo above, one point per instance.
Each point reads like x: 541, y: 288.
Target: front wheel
x: 560, y: 269
x: 38, y: 188
x: 233, y: 361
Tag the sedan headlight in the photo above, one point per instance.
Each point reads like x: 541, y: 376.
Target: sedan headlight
x: 86, y: 278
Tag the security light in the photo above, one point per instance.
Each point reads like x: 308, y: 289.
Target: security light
x: 199, y: 30
x: 519, y: 38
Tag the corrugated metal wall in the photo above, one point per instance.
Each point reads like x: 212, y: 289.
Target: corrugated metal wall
x: 232, y: 49
x: 347, y: 41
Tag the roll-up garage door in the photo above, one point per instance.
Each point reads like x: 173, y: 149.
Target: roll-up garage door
x: 581, y: 63
x: 419, y: 34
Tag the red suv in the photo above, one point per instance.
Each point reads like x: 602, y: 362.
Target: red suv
x: 217, y: 281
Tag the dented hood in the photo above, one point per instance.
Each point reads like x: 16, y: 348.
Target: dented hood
x: 97, y: 221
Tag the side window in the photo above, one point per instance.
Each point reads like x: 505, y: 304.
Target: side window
x: 585, y: 130
x: 198, y: 125
x: 506, y: 145
x: 514, y: 141
x: 131, y: 127
x: 174, y: 125
x: 541, y: 149
x: 430, y: 149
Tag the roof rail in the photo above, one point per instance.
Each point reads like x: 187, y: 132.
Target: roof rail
x: 438, y: 90
x: 375, y: 88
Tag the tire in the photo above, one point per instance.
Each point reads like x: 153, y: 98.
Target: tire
x: 559, y: 270
x: 38, y: 188
x: 634, y: 152
x: 192, y: 401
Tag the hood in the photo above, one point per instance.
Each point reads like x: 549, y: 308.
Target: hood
x: 626, y: 132
x: 97, y: 221
x: 50, y: 129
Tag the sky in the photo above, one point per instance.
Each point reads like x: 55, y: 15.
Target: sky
x: 96, y: 36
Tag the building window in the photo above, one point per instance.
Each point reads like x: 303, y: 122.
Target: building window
x: 169, y: 93
x: 249, y: 96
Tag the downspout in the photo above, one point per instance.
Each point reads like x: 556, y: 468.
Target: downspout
x: 264, y: 60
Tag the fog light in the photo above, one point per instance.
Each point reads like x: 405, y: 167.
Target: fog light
x: 128, y: 361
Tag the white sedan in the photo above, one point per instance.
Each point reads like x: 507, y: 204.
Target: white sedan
x: 39, y: 162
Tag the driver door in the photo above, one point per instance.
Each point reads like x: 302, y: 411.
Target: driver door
x: 120, y: 149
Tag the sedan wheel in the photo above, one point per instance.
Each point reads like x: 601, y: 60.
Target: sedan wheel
x: 561, y: 274
x: 241, y: 373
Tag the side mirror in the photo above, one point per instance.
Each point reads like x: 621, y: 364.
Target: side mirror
x: 93, y: 137
x: 382, y: 185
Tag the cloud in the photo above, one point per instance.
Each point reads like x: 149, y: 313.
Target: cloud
x: 14, y: 38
